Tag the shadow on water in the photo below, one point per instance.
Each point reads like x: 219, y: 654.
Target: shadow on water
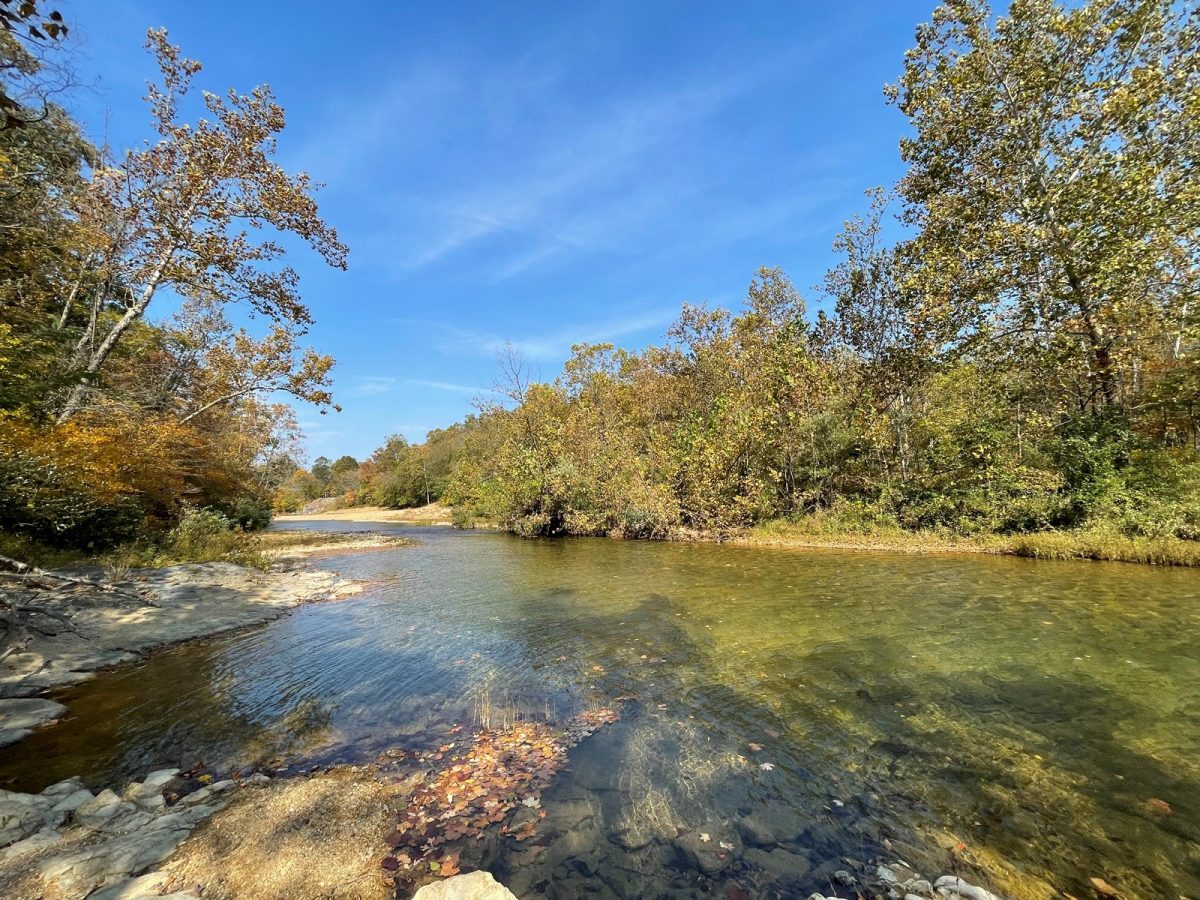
x: 800, y: 708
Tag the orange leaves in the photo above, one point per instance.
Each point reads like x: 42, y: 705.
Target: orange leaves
x: 481, y: 785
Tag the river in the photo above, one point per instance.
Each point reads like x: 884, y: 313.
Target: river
x: 1046, y: 715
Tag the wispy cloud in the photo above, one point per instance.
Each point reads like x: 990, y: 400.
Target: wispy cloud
x: 373, y: 385
x: 554, y: 345
x: 448, y: 386
x: 571, y: 177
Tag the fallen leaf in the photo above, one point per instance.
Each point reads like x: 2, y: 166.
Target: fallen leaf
x: 1157, y: 807
x: 754, y: 748
x: 704, y: 837
x: 725, y: 845
x: 766, y: 767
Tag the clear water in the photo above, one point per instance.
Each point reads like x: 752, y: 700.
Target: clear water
x: 1027, y: 709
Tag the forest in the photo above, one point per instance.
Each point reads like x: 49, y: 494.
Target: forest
x: 1006, y: 341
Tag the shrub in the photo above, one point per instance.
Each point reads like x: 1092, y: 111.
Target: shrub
x: 248, y: 513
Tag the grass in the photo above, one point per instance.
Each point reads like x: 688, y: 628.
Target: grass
x: 1095, y: 544
x: 239, y: 547
x: 27, y: 550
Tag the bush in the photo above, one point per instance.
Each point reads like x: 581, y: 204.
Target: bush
x: 248, y: 513
x: 206, y: 535
x: 201, y: 534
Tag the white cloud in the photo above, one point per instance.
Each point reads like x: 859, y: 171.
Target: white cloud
x: 372, y: 385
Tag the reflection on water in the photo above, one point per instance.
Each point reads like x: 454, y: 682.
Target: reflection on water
x: 1028, y: 709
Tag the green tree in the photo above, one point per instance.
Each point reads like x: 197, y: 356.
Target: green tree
x: 1052, y: 180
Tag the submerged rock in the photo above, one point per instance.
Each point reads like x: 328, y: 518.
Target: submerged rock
x: 472, y: 886
x: 779, y: 863
x: 952, y: 887
x: 709, y: 849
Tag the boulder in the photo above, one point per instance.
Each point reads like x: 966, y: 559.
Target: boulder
x: 21, y: 815
x: 472, y: 886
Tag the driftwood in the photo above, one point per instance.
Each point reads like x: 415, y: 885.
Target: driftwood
x: 22, y: 616
x: 14, y: 567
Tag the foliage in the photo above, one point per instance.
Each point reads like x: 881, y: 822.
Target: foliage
x: 1024, y: 361
x: 111, y: 425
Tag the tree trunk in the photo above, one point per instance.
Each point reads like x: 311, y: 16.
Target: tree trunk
x: 100, y: 354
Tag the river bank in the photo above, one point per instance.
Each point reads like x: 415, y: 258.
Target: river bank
x: 431, y: 514
x: 1049, y: 545
x: 820, y: 533
x: 81, y: 621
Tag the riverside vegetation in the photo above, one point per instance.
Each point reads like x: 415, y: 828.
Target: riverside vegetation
x: 1017, y: 372
x: 116, y: 418
x: 1014, y: 362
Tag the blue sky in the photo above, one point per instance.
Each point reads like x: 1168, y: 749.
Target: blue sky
x: 540, y: 173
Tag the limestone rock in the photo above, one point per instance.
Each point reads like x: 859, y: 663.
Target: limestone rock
x: 20, y: 715
x: 473, y: 886
x: 73, y: 801
x: 21, y: 815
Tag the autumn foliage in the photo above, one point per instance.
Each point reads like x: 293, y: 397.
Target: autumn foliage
x: 113, y: 423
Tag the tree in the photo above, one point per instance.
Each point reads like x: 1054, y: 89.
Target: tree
x: 178, y: 214
x: 218, y: 365
x: 24, y: 33
x: 1052, y: 179
x: 321, y: 471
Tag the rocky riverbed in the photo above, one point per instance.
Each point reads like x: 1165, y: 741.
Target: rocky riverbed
x: 67, y: 842
x: 97, y: 627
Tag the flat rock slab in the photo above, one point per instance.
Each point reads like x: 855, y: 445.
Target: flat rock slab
x: 20, y: 715
x: 190, y: 601
x: 472, y: 886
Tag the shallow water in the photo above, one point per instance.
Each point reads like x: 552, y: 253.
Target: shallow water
x: 1027, y: 709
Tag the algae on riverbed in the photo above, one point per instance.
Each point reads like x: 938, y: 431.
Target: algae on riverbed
x: 895, y: 697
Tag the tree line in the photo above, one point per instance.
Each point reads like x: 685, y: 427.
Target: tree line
x: 1023, y: 357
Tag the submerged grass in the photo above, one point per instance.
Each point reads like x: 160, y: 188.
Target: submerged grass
x: 1096, y: 544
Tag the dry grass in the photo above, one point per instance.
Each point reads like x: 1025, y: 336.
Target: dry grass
x: 433, y: 514
x: 317, y: 837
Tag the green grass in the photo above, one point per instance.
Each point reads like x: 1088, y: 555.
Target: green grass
x: 1097, y: 543
x: 27, y: 550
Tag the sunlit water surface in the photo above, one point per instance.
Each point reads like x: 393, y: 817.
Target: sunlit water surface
x: 1029, y: 710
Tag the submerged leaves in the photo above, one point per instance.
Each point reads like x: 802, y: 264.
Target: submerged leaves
x: 479, y: 786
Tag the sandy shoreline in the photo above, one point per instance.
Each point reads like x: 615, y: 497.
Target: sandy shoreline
x: 433, y: 514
